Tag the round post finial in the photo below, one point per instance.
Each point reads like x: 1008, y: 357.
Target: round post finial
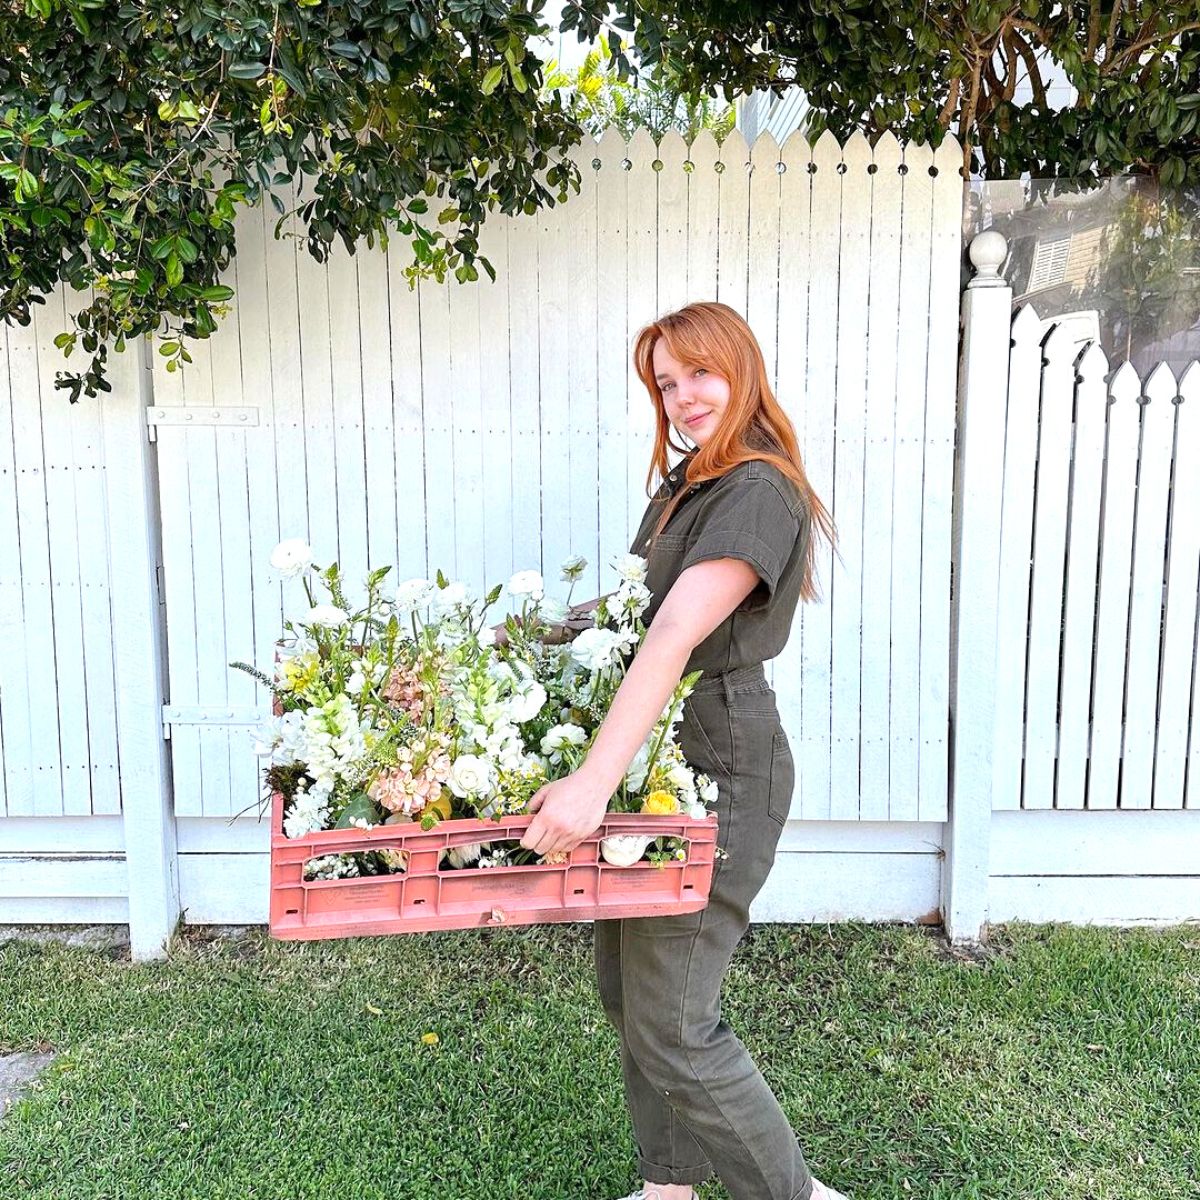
x: 987, y: 252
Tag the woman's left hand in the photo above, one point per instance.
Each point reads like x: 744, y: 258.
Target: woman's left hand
x: 566, y: 811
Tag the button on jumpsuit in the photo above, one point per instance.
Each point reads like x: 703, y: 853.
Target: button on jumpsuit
x: 697, y: 1102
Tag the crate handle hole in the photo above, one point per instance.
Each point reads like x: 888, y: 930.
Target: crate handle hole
x: 579, y: 891
x: 418, y: 901
x: 293, y: 912
x: 689, y: 887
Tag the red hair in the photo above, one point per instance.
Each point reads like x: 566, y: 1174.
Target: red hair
x: 753, y: 426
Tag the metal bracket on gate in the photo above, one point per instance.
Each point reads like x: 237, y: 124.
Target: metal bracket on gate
x: 208, y: 714
x: 198, y: 415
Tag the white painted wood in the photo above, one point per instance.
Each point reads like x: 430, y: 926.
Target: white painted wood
x: 32, y: 876
x: 1180, y: 650
x: 76, y: 835
x: 641, y: 248
x: 672, y: 210
x: 378, y: 370
x: 16, y: 743
x: 878, y: 468
x: 225, y: 889
x: 787, y: 676
x: 849, y: 441
x: 938, y: 481
x: 1083, y: 541
x: 1016, y: 554
x: 908, y: 487
x: 1146, y: 600
x: 733, y: 221
x: 1116, y: 555
x: 132, y: 494
x: 1074, y: 842
x: 622, y: 498
x: 1049, y: 542
x: 1150, y: 901
x: 581, y: 399
x: 983, y: 381
x: 817, y: 801
x: 64, y: 910
x: 703, y: 218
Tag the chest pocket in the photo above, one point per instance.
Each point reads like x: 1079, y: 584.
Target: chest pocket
x: 662, y: 566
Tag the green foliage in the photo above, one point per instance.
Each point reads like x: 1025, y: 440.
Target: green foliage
x: 923, y: 70
x: 130, y: 133
x: 599, y: 97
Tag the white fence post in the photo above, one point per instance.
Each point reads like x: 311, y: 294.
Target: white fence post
x: 146, y: 799
x: 983, y: 400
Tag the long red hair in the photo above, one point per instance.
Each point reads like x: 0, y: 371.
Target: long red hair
x: 753, y: 426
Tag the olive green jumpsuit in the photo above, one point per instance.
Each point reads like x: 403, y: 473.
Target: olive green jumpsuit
x: 697, y: 1102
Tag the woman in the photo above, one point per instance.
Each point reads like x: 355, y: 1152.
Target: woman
x: 729, y: 549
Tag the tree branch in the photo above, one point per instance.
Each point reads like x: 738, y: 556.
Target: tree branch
x: 1024, y: 49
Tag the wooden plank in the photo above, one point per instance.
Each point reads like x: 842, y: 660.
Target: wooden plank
x: 40, y: 835
x: 617, y: 523
x: 849, y: 448
x: 581, y: 400
x: 100, y: 792
x: 495, y: 364
x: 1016, y: 554
x: 816, y: 630
x: 673, y: 233
x: 1116, y: 555
x: 68, y: 874
x: 407, y: 397
x: 884, y: 189
x: 734, y: 220
x: 379, y: 464
x: 441, y: 521
x: 1152, y: 902
x: 703, y: 221
x: 642, y: 284
x: 1146, y: 600
x: 1091, y: 411
x: 938, y: 497
x: 787, y: 671
x: 63, y: 726
x: 1049, y: 549
x: 908, y: 486
x: 16, y: 744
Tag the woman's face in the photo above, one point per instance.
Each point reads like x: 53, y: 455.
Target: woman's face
x: 694, y: 397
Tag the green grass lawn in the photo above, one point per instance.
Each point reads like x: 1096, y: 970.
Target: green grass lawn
x: 1060, y: 1063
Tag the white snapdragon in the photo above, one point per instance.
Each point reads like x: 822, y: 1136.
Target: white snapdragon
x: 709, y: 790
x: 291, y: 557
x: 281, y: 738
x: 630, y: 567
x: 527, y: 584
x: 309, y: 813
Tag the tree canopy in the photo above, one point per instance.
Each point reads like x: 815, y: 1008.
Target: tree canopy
x: 130, y: 132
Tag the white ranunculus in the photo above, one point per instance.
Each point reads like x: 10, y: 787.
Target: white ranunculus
x: 412, y: 595
x: 596, y: 649
x: 446, y: 599
x: 573, y: 567
x: 630, y: 567
x: 558, y: 736
x: 552, y: 609
x: 527, y: 583
x: 291, y: 557
x: 470, y: 775
x: 326, y: 614
x: 527, y: 703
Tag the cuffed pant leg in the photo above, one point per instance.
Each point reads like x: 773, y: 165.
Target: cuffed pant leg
x: 667, y: 1151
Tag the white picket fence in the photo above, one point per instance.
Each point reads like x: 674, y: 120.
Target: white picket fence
x: 488, y: 428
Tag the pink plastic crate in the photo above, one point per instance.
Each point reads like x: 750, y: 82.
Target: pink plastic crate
x: 425, y: 898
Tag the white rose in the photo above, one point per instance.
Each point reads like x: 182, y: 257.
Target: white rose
x: 326, y: 614
x: 558, y: 736
x: 527, y: 583
x: 680, y: 777
x: 291, y: 557
x: 470, y: 775
x: 630, y: 567
x: 527, y: 703
x: 596, y: 649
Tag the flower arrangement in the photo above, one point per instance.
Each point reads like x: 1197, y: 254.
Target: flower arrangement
x: 408, y: 709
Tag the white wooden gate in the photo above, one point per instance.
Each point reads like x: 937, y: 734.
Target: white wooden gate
x: 484, y: 429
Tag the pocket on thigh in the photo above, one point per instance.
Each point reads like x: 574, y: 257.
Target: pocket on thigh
x: 783, y: 778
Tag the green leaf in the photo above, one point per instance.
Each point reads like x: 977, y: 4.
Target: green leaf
x: 174, y: 269
x: 217, y: 293
x: 360, y: 807
x: 247, y: 70
x: 492, y: 79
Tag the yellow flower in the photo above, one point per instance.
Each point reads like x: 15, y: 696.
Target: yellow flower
x: 660, y: 803
x: 430, y: 1039
x: 441, y: 806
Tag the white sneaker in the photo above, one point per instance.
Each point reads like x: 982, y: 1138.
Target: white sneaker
x: 822, y: 1191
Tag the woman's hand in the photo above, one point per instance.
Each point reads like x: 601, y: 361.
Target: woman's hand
x: 567, y: 810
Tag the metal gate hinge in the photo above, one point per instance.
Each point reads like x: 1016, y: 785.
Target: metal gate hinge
x: 209, y: 714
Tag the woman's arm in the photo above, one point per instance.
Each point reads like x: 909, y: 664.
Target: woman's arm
x: 569, y: 809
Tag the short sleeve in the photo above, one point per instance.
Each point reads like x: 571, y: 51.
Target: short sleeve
x: 746, y: 518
